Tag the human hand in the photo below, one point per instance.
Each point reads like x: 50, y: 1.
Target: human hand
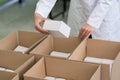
x: 85, y: 32
x: 38, y: 20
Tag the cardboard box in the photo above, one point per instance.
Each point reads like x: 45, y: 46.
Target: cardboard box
x: 57, y: 28
x: 98, y: 49
x: 8, y: 76
x: 65, y: 45
x: 22, y: 38
x: 16, y: 61
x: 58, y: 67
x: 115, y: 70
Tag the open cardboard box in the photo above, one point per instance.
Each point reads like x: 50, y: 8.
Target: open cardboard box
x: 98, y: 49
x: 22, y: 38
x: 8, y: 76
x: 65, y: 45
x: 61, y: 68
x: 16, y: 61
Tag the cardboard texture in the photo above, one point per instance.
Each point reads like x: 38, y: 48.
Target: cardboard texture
x: 65, y: 45
x: 67, y: 69
x: 8, y: 76
x: 98, y: 49
x: 115, y: 70
x: 57, y: 28
x: 16, y: 61
x: 22, y: 38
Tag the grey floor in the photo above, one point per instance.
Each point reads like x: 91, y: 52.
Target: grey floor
x: 20, y: 17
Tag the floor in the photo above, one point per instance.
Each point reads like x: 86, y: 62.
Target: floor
x: 20, y: 17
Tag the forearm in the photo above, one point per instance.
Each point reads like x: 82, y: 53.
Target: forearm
x: 44, y: 7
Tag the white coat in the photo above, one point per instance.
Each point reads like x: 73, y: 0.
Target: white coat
x: 103, y: 15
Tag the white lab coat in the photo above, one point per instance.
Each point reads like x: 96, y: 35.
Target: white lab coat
x: 103, y: 15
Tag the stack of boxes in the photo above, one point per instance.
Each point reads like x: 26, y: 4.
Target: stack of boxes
x: 34, y: 56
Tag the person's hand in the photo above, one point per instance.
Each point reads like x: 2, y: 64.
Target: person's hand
x: 38, y: 20
x: 85, y: 32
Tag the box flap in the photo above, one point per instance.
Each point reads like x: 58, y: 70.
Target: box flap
x: 105, y: 71
x: 115, y: 75
x: 27, y: 38
x: 37, y: 71
x: 66, y: 44
x: 45, y: 47
x: 70, y: 70
x: 80, y: 52
x: 9, y: 42
x: 117, y: 57
x: 97, y: 74
x: 102, y: 48
x: 12, y: 60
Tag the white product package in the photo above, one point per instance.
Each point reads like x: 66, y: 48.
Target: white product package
x: 59, y: 54
x: 107, y: 61
x: 21, y: 48
x: 4, y: 69
x: 49, y: 78
x: 57, y: 28
x: 99, y: 61
x: 53, y: 78
x: 8, y: 70
x: 92, y: 59
x: 60, y: 79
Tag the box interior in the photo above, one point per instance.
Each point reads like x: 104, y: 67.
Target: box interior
x: 70, y: 70
x: 66, y: 45
x: 22, y: 38
x: 12, y: 60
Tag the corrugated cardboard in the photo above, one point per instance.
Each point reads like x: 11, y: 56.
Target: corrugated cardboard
x: 98, y: 49
x: 8, y: 76
x: 18, y: 62
x: 67, y: 69
x: 23, y: 38
x: 116, y: 69
x: 66, y: 45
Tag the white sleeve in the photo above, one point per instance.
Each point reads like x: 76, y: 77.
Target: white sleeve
x: 99, y: 12
x: 44, y: 7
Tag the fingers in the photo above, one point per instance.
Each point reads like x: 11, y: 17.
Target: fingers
x: 86, y: 35
x: 40, y: 29
x: 38, y: 22
x: 85, y: 32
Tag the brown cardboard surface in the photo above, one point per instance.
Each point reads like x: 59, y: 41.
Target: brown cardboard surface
x: 80, y: 52
x: 38, y: 71
x: 8, y: 76
x: 97, y: 75
x: 98, y: 49
x: 18, y: 62
x: 118, y: 57
x: 70, y: 70
x: 105, y: 49
x: 23, y: 38
x: 116, y: 70
x: 9, y: 42
x: 45, y: 47
x: 115, y: 75
x: 66, y: 45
